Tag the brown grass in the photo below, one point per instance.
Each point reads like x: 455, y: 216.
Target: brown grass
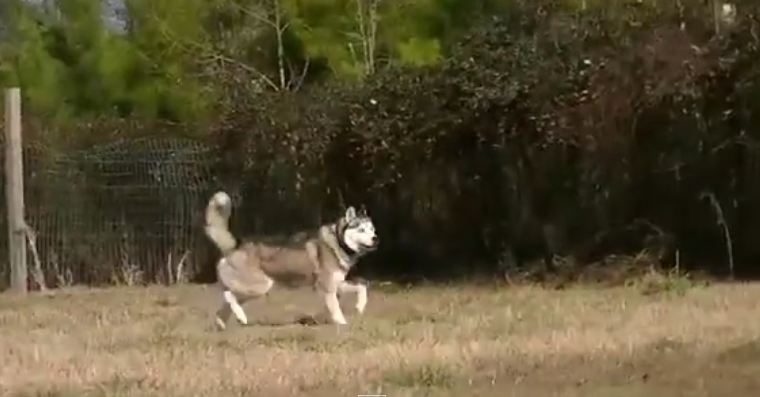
x: 449, y: 341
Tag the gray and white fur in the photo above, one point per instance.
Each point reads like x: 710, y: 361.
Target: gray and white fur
x: 321, y: 259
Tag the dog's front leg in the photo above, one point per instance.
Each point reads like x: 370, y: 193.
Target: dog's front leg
x: 333, y: 306
x: 355, y: 288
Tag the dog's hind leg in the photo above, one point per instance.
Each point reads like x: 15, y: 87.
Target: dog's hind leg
x: 234, y: 305
x: 222, y: 315
x: 355, y: 288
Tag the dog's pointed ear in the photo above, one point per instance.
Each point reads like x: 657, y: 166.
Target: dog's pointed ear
x: 350, y: 213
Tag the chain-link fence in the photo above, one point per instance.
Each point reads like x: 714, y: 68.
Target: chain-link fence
x: 129, y: 211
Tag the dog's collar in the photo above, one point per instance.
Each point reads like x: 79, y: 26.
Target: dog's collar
x: 330, y: 236
x: 342, y: 244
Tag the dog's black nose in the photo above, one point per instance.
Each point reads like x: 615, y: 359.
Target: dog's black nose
x: 375, y: 240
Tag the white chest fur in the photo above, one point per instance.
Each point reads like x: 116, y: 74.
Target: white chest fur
x: 339, y: 276
x: 346, y: 262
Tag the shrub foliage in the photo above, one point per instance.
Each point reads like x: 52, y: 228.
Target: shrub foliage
x: 544, y: 129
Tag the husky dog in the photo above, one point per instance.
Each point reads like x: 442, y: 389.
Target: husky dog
x: 319, y: 259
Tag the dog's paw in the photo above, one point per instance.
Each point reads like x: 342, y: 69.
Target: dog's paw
x: 220, y: 325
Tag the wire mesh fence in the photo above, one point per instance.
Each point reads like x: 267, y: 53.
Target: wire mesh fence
x: 128, y: 211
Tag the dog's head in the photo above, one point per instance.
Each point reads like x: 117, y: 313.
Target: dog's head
x: 359, y: 231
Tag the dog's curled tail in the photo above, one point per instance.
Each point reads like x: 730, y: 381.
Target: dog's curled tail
x: 217, y: 229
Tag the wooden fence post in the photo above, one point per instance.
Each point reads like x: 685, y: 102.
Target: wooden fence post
x: 14, y: 191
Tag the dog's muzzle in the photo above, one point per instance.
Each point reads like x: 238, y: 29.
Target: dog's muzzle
x: 374, y: 245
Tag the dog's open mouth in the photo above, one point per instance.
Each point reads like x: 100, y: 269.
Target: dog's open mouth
x: 370, y: 247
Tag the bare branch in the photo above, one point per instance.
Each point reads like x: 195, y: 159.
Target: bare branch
x: 180, y: 273
x: 37, y: 273
x: 373, y: 18
x: 169, y: 272
x: 366, y: 15
x: 722, y: 223
x: 279, y: 29
x: 246, y: 67
x: 191, y: 46
x: 280, y: 45
x: 302, y: 77
x: 362, y: 32
x: 255, y: 15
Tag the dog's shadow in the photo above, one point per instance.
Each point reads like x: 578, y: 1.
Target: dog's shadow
x: 307, y: 320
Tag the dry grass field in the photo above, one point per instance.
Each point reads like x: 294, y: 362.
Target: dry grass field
x: 419, y: 341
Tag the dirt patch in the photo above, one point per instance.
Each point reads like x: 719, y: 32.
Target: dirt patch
x: 745, y: 352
